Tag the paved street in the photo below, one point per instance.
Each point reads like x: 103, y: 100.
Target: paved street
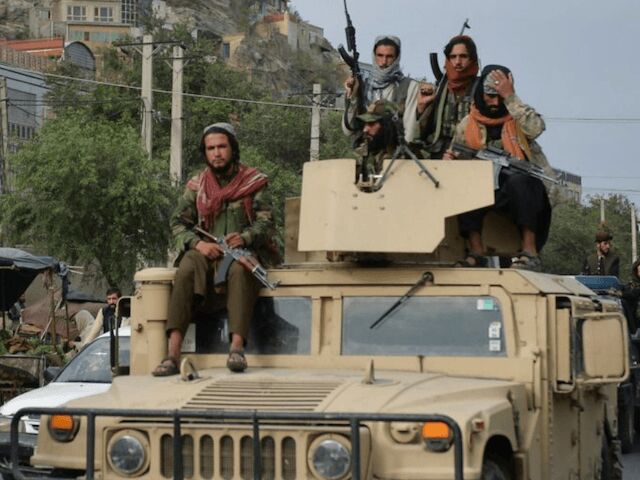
x: 631, y: 463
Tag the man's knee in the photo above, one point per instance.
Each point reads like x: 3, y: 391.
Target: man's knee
x: 190, y: 263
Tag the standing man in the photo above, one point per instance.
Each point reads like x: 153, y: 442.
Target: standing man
x: 387, y: 82
x: 498, y: 118
x: 603, y: 261
x: 230, y: 200
x: 453, y: 100
x: 104, y: 319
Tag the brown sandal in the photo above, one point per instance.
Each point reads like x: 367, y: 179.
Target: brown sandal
x: 168, y: 367
x: 236, y: 361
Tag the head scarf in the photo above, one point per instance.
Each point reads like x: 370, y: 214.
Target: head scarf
x: 211, y: 196
x: 383, y: 77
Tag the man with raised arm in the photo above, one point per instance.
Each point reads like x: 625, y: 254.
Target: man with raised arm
x: 387, y: 82
x: 229, y: 200
x: 453, y: 98
x: 498, y: 118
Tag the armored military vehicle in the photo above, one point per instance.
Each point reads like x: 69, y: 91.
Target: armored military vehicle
x: 383, y: 363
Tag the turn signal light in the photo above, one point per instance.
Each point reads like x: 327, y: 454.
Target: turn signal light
x: 63, y: 428
x: 437, y: 436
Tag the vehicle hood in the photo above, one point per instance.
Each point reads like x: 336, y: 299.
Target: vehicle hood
x: 312, y: 391
x: 52, y: 395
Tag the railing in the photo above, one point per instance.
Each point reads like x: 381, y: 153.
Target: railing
x: 353, y: 420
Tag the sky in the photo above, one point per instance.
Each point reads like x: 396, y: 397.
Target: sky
x: 574, y: 61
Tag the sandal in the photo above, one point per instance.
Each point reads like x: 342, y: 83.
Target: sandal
x: 473, y: 260
x: 236, y: 361
x: 527, y: 261
x: 168, y: 367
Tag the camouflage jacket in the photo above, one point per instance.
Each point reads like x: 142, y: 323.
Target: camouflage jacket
x: 372, y: 161
x: 404, y: 94
x: 258, y: 232
x: 438, y: 128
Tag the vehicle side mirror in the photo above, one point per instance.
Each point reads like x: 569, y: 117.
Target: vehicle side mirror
x: 603, y: 354
x: 50, y: 374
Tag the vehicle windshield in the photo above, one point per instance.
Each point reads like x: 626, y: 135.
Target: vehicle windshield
x: 429, y: 326
x: 92, y: 364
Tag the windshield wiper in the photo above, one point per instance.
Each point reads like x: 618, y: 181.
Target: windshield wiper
x: 424, y: 278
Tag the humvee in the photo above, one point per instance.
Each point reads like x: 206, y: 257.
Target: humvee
x: 383, y: 363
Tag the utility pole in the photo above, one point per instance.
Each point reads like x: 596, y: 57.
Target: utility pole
x: 4, y: 136
x: 147, y: 93
x: 602, y: 219
x: 175, y: 163
x: 634, y: 234
x: 314, y: 151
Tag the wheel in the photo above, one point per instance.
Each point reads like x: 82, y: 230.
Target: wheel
x: 611, y: 469
x: 494, y: 468
x: 627, y: 427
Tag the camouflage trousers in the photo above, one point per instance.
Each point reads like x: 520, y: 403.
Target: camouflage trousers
x: 193, y: 289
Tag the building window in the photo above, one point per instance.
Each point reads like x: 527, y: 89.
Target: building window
x: 129, y: 11
x: 76, y: 12
x: 226, y: 50
x: 87, y: 36
x: 103, y: 14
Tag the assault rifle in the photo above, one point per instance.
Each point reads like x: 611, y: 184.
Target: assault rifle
x: 352, y: 60
x: 503, y: 160
x: 241, y: 255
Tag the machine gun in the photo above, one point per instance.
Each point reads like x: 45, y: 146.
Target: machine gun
x: 433, y: 56
x: 503, y: 161
x: 352, y: 61
x: 241, y: 255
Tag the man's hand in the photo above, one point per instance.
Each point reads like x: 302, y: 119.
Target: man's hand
x: 210, y: 250
x: 502, y: 84
x: 350, y: 86
x: 426, y: 96
x: 450, y: 155
x: 234, y: 240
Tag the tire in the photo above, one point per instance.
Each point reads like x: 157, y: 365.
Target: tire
x: 627, y: 427
x: 494, y: 468
x: 611, y: 467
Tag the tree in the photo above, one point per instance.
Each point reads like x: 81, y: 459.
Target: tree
x: 573, y: 229
x: 85, y: 190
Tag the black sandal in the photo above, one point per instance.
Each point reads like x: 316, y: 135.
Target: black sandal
x: 236, y: 361
x: 167, y: 368
x: 473, y: 260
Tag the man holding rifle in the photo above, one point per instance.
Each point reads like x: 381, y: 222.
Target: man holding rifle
x: 387, y: 82
x: 228, y: 200
x: 498, y: 118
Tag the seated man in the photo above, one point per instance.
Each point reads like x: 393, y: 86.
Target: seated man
x: 227, y: 199
x: 498, y: 118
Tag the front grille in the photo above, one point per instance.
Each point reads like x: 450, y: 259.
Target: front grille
x: 223, y: 456
x: 262, y: 395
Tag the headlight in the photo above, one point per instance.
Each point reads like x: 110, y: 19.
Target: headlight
x: 330, y: 457
x: 128, y: 452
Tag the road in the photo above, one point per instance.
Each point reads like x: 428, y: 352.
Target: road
x: 631, y: 463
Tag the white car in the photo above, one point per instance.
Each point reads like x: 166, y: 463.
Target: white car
x: 88, y: 373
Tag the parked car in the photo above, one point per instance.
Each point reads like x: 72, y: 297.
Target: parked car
x: 88, y: 373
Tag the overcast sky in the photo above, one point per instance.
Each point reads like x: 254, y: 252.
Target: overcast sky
x: 575, y: 61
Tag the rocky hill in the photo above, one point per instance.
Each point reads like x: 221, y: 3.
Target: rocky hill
x: 269, y: 61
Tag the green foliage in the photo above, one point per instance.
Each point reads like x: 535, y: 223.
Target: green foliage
x: 86, y: 190
x: 573, y: 228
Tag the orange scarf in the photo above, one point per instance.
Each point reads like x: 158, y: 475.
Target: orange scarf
x: 509, y: 135
x: 457, y: 82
